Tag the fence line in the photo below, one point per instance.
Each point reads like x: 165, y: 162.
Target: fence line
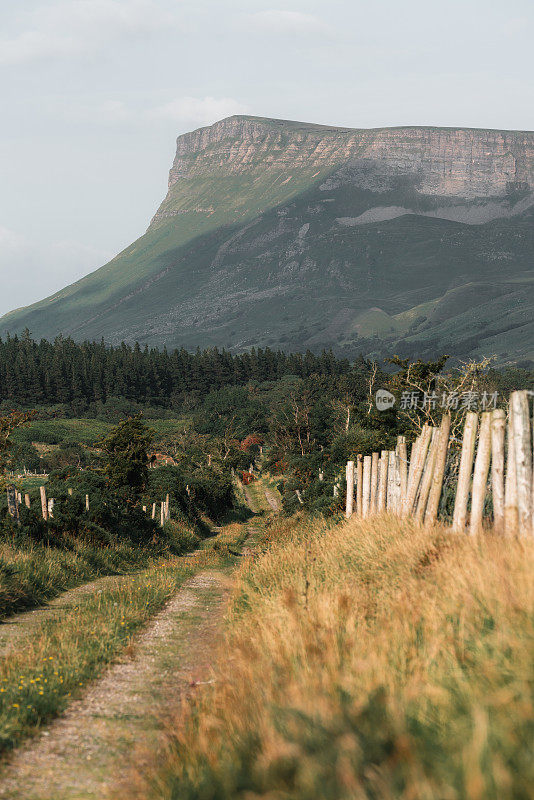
x: 496, y: 459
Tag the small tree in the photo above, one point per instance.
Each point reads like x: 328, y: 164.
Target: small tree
x: 126, y: 448
x: 8, y: 423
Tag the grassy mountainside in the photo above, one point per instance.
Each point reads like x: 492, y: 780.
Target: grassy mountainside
x: 294, y: 235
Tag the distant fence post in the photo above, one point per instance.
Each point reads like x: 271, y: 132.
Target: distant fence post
x: 44, y: 504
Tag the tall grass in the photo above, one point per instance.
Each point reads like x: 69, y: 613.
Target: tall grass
x: 369, y: 660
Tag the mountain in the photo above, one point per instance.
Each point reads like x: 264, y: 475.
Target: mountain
x: 286, y: 234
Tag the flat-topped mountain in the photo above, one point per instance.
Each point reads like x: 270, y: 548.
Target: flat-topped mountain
x: 292, y: 235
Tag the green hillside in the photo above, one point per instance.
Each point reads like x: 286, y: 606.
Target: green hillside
x: 292, y: 235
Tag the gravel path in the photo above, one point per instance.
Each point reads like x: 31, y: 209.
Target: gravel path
x: 78, y: 755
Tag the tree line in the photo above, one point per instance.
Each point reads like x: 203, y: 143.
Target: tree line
x: 64, y: 371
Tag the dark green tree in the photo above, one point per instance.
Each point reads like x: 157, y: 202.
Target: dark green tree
x: 126, y: 450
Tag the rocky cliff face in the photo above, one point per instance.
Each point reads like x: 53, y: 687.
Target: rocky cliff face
x: 292, y: 235
x: 443, y: 162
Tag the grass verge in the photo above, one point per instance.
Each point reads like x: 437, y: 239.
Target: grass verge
x: 32, y: 573
x: 368, y: 660
x: 42, y: 672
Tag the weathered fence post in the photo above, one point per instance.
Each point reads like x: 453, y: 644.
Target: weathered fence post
x: 464, y: 474
x: 439, y: 470
x: 427, y: 475
x: 480, y: 474
x: 366, y: 494
x: 350, y: 490
x: 162, y: 514
x: 359, y: 486
x: 87, y: 502
x: 511, y: 520
x: 153, y: 511
x: 374, y: 483
x: 44, y: 504
x: 167, y: 507
x: 383, y: 482
x: 498, y: 425
x: 419, y: 463
x: 523, y: 459
x: 413, y: 458
x: 390, y: 483
x: 403, y: 469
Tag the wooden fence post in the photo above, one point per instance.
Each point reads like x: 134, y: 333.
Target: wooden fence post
x: 27, y: 502
x: 349, y: 504
x: 167, y: 507
x: 420, y: 458
x: 413, y: 458
x: 383, y: 482
x: 162, y: 513
x: 87, y: 502
x: 498, y: 425
x: 403, y: 470
x: 480, y: 474
x: 391, y: 482
x: 464, y: 474
x: 434, y: 497
x: 359, y: 485
x: 523, y: 459
x: 511, y: 520
x: 44, y: 504
x: 427, y: 475
x: 374, y: 483
x: 366, y: 494
x: 153, y: 511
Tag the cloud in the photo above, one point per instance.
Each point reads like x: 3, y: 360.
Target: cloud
x: 286, y: 22
x: 30, y: 270
x: 78, y: 27
x: 198, y: 110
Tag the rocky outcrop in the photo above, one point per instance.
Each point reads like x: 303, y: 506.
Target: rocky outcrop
x: 440, y: 162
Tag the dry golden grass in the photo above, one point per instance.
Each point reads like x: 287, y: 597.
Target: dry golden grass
x: 368, y: 660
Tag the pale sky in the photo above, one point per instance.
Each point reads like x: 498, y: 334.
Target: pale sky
x: 94, y: 92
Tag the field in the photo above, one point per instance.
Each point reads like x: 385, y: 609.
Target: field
x: 368, y: 660
x: 85, y: 431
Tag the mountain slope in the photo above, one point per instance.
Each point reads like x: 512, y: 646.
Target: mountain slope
x: 286, y: 234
